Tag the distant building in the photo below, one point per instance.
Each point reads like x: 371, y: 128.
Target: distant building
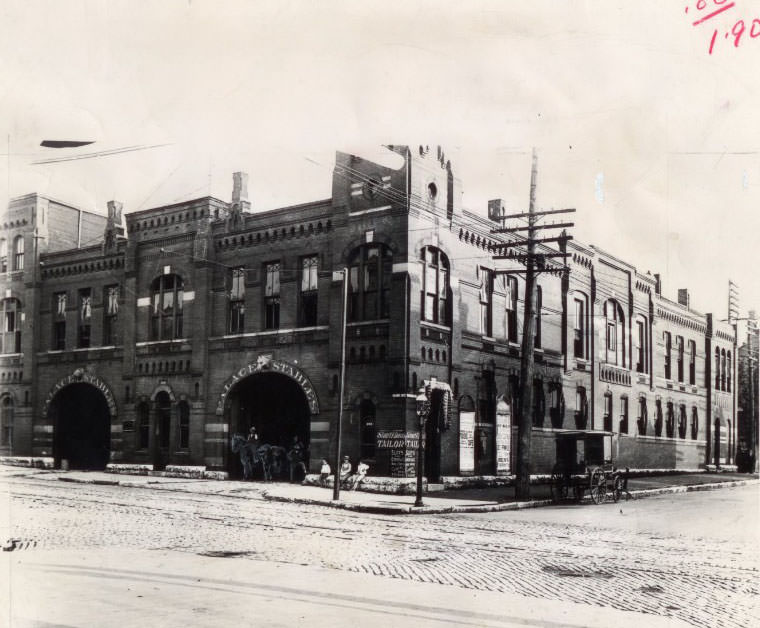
x: 748, y: 416
x: 156, y: 343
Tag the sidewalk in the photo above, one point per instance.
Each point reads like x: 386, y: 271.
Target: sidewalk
x: 451, y: 501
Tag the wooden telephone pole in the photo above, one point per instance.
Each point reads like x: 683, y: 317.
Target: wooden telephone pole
x: 535, y: 263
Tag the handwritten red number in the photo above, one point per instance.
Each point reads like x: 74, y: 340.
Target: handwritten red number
x: 719, y: 2
x: 701, y: 4
x: 737, y: 31
x: 712, y: 40
x: 752, y: 32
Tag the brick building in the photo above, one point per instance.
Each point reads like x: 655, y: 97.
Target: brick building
x: 153, y: 344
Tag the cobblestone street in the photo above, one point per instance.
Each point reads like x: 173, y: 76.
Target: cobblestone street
x: 615, y: 555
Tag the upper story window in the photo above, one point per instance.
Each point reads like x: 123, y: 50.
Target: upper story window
x: 679, y: 357
x: 717, y: 368
x: 110, y: 314
x: 59, y: 321
x: 309, y: 290
x: 642, y: 349
x: 11, y: 342
x: 723, y: 369
x: 728, y: 371
x: 236, y: 313
x: 486, y: 301
x: 581, y: 408
x: 18, y: 253
x: 272, y: 295
x: 668, y: 349
x: 435, y: 286
x: 512, y: 295
x: 607, y: 412
x: 579, y: 327
x: 3, y: 256
x: 615, y: 340
x: 539, y: 305
x: 85, y: 318
x: 692, y: 362
x: 369, y: 282
x: 166, y: 309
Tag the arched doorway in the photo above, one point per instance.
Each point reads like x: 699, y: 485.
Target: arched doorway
x: 276, y: 405
x: 81, y: 427
x: 163, y: 405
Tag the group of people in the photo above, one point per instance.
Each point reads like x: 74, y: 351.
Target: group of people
x: 296, y: 455
x: 347, y: 477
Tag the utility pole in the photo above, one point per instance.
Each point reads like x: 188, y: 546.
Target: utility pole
x: 535, y: 263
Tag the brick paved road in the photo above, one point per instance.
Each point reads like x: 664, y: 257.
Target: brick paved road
x: 594, y: 555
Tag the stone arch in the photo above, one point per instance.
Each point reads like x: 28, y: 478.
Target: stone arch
x: 81, y: 376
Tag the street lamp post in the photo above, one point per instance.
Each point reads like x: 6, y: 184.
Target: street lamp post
x: 422, y: 408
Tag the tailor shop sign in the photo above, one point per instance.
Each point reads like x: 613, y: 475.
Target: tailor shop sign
x: 80, y: 376
x: 265, y: 364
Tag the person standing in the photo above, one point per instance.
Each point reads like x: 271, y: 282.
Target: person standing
x: 296, y: 457
x: 324, y: 473
x: 345, y: 469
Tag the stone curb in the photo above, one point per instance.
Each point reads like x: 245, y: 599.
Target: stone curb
x: 434, y: 510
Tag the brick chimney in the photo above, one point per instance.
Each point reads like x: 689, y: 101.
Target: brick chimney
x: 240, y: 191
x: 657, y: 284
x: 683, y: 297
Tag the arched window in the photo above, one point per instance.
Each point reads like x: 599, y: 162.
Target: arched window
x: 184, y: 425
x: 11, y: 340
x: 3, y: 256
x: 166, y: 307
x: 717, y: 368
x: 682, y: 421
x: 369, y: 282
x: 486, y: 301
x: 692, y: 362
x: 557, y: 405
x: 623, y: 426
x: 18, y: 253
x: 679, y: 357
x: 642, y: 346
x: 236, y: 305
x: 511, y: 306
x: 163, y: 418
x: 581, y: 408
x: 723, y: 369
x: 143, y: 426
x: 615, y: 337
x: 668, y: 342
x: 658, y: 418
x: 694, y: 423
x: 670, y: 421
x: 580, y: 326
x: 6, y: 421
x: 643, y: 416
x: 608, y: 412
x: 368, y: 429
x: 435, y: 286
x: 728, y: 371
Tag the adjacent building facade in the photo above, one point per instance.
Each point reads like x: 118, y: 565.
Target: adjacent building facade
x: 153, y: 343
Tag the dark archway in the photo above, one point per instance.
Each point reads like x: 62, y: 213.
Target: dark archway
x: 275, y: 405
x: 82, y: 427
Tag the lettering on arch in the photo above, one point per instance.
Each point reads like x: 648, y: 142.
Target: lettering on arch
x: 265, y: 364
x: 80, y: 376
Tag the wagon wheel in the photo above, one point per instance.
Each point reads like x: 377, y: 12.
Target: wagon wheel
x: 617, y: 488
x: 558, y: 485
x: 598, y: 486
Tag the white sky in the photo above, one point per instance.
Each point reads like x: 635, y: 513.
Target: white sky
x: 653, y: 140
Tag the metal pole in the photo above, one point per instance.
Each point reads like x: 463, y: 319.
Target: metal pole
x: 336, y: 483
x: 420, y: 457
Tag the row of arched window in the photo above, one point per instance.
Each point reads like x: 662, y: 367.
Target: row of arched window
x: 676, y: 419
x: 165, y: 421
x: 17, y: 254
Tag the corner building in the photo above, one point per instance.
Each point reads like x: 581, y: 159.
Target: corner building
x: 153, y: 344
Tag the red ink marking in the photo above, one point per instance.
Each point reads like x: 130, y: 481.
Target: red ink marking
x: 726, y: 36
x: 752, y: 32
x: 714, y: 13
x: 738, y: 36
x: 712, y: 41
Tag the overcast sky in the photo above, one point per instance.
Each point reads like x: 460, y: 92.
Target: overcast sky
x: 651, y: 138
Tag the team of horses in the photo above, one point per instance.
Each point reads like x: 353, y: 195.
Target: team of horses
x: 274, y: 460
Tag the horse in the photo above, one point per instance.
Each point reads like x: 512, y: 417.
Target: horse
x: 250, y: 456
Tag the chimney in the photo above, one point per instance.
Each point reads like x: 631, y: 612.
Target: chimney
x: 657, y: 284
x: 683, y: 297
x: 495, y: 209
x: 240, y: 191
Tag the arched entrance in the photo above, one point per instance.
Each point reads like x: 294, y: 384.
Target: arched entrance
x: 276, y: 405
x: 81, y: 420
